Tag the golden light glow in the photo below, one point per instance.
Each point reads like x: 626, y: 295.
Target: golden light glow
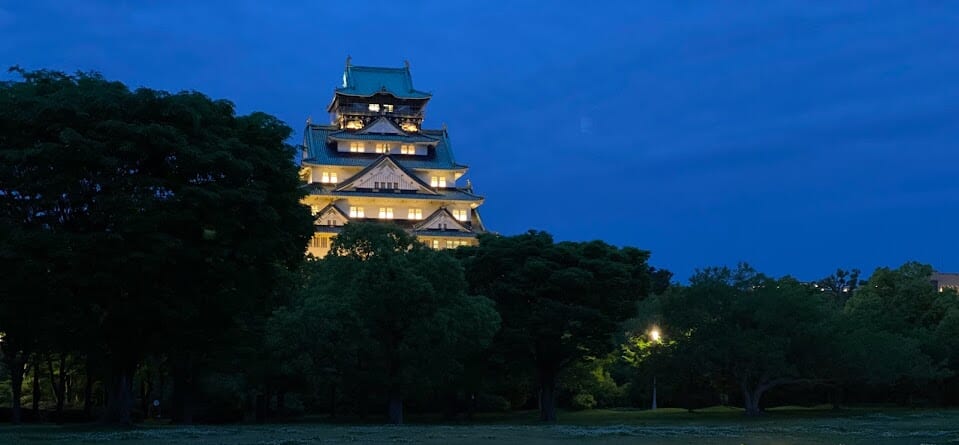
x: 409, y: 127
x: 328, y: 178
x: 354, y: 124
x: 655, y: 335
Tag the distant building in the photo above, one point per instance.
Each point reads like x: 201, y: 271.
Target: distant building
x: 375, y: 162
x: 944, y: 281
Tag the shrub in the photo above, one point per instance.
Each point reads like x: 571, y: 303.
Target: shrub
x: 582, y: 401
x: 491, y: 403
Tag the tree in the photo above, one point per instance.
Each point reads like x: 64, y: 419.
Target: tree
x: 560, y: 302
x: 898, y: 329
x: 385, y: 313
x: 753, y: 332
x: 174, y: 214
x: 840, y: 285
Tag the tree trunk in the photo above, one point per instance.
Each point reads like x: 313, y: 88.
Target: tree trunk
x: 59, y: 385
x: 281, y: 403
x: 146, y: 390
x: 183, y: 390
x: 17, y: 366
x: 260, y: 415
x: 451, y: 405
x: 36, y: 387
x: 120, y: 394
x: 396, y: 408
x: 654, y: 405
x: 88, y: 389
x: 748, y: 404
x: 752, y: 395
x: 836, y: 393
x: 547, y: 396
x: 332, y: 401
x: 471, y: 407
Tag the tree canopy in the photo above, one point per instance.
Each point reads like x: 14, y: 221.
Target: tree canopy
x: 559, y: 302
x: 156, y: 216
x: 393, y: 316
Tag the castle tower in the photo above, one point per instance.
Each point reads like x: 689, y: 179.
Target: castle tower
x: 376, y: 162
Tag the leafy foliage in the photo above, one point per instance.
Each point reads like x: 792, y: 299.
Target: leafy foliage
x: 384, y: 314
x: 560, y: 302
x: 158, y: 217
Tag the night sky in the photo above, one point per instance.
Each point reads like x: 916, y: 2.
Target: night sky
x: 797, y: 136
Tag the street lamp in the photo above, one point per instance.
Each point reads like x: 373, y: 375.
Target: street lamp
x: 656, y: 337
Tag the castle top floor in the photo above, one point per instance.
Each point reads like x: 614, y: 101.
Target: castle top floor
x: 367, y: 92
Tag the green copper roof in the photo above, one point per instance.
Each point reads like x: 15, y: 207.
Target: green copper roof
x: 318, y: 189
x: 353, y: 136
x: 320, y: 150
x: 366, y: 81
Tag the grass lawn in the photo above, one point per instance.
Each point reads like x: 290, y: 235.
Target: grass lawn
x: 718, y: 426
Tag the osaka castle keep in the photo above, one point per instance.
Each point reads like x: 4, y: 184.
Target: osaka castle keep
x: 376, y: 162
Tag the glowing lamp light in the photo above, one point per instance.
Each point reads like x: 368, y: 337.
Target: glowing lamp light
x: 655, y: 335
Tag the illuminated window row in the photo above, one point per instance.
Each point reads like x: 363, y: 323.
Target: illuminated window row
x: 328, y: 177
x: 385, y: 213
x: 448, y: 244
x: 385, y: 107
x: 460, y: 214
x: 382, y: 147
x: 320, y: 242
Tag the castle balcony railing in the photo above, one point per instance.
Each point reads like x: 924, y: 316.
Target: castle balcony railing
x: 364, y: 110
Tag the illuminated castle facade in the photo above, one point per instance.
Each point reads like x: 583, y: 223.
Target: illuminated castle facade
x: 376, y: 162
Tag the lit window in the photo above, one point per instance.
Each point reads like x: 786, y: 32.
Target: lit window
x: 333, y: 177
x: 415, y: 214
x: 354, y: 125
x: 374, y: 107
x: 407, y: 149
x: 325, y: 177
x: 320, y: 242
x: 388, y: 108
x: 438, y: 181
x: 449, y: 244
x: 386, y: 213
x: 460, y: 214
x: 409, y: 127
x: 382, y: 147
x: 357, y: 147
x: 356, y: 212
x: 436, y: 244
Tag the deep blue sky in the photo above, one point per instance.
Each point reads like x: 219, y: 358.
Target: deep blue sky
x: 798, y: 136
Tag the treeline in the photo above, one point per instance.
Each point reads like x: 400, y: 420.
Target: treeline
x: 152, y: 250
